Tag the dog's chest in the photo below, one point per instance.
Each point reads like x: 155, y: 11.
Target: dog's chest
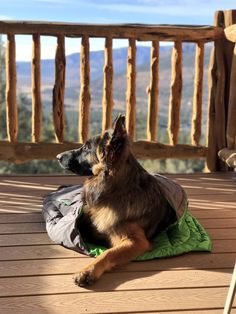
x: 104, y: 218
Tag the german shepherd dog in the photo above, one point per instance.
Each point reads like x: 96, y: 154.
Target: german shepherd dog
x: 124, y: 206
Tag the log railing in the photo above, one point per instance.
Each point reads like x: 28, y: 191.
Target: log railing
x: 12, y: 150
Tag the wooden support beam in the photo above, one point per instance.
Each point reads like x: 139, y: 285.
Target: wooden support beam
x: 107, y: 102
x: 131, y: 90
x: 24, y: 151
x: 36, y: 90
x: 197, y: 95
x: 152, y: 115
x: 190, y: 33
x: 84, y: 104
x: 11, y: 106
x: 59, y: 89
x: 175, y: 93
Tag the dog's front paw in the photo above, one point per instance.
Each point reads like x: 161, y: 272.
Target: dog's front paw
x: 84, y: 278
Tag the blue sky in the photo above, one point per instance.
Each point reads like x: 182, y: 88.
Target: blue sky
x: 106, y: 11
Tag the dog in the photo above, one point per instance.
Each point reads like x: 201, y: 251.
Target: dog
x: 124, y: 206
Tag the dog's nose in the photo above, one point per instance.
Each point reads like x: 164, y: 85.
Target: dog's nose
x: 59, y: 157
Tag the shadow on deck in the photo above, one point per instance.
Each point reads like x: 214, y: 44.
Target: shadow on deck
x: 36, y: 275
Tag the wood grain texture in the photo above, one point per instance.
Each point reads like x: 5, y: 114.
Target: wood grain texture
x: 59, y: 90
x: 36, y: 89
x: 140, y: 31
x: 107, y: 101
x: 84, y: 105
x: 11, y: 106
x: 131, y: 90
x: 152, y: 90
x: 197, y: 95
x: 175, y: 93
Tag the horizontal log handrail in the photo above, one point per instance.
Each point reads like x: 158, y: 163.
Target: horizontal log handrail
x: 188, y: 33
x: 23, y: 152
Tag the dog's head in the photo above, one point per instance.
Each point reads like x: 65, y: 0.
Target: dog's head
x: 107, y: 150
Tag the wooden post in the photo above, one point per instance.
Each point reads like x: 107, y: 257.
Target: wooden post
x: 175, y: 93
x: 197, y: 95
x: 107, y: 102
x: 59, y: 89
x: 219, y: 81
x: 11, y: 108
x: 231, y: 125
x: 131, y: 89
x: 216, y: 102
x: 84, y: 90
x: 152, y: 118
x: 228, y: 19
x: 36, y: 90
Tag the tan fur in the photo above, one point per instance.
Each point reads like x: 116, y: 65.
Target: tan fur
x: 104, y: 218
x: 128, y: 243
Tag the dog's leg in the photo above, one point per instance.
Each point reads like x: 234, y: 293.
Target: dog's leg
x: 128, y: 243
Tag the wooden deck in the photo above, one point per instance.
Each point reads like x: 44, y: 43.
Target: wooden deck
x: 36, y: 275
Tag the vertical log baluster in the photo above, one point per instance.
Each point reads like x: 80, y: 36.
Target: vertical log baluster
x: 211, y: 125
x: 84, y: 105
x: 152, y: 118
x: 131, y: 89
x: 59, y: 89
x: 11, y: 107
x: 36, y: 90
x: 107, y: 102
x: 175, y: 93
x: 197, y: 95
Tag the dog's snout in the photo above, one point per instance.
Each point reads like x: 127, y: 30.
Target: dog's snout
x: 59, y: 157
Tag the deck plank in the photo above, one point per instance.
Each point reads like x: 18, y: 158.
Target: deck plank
x: 72, y: 264
x: 116, y: 301
x: 118, y: 281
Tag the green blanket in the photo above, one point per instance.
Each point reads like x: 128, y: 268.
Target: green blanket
x: 184, y: 236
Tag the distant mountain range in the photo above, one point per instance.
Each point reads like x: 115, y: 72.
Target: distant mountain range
x: 120, y: 65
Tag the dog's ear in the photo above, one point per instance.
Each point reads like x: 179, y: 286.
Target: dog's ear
x: 119, y: 129
x: 118, y: 141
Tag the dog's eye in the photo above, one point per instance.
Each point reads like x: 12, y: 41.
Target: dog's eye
x: 87, y: 146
